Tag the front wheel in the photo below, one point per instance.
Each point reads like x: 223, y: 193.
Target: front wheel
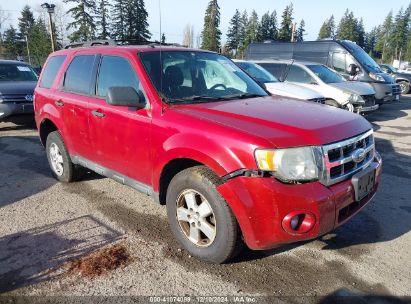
x: 200, y: 218
x: 405, y: 87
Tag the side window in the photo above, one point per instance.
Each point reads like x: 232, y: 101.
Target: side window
x: 51, y: 70
x: 116, y: 72
x: 276, y: 69
x: 339, y: 62
x: 297, y: 74
x: 78, y: 77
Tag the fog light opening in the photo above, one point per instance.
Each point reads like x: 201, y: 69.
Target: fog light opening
x: 298, y: 222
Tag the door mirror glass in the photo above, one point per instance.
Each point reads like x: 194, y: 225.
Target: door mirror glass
x: 353, y: 69
x: 125, y: 96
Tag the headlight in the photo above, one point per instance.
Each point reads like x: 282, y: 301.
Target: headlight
x: 355, y: 98
x: 291, y: 165
x: 376, y: 77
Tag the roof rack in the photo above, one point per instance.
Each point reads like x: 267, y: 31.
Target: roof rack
x: 113, y: 42
x: 91, y: 43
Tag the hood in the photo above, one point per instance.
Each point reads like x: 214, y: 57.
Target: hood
x: 356, y: 87
x: 387, y: 78
x: 283, y: 122
x: 403, y: 75
x: 17, y: 87
x: 292, y: 90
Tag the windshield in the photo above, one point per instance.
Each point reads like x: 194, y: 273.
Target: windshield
x: 192, y: 77
x: 16, y: 72
x: 257, y: 72
x: 325, y: 74
x: 362, y: 57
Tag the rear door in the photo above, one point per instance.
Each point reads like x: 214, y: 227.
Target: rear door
x: 73, y: 98
x: 120, y: 135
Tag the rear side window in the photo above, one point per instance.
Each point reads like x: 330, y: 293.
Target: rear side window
x: 116, y: 72
x: 79, y: 74
x: 51, y: 70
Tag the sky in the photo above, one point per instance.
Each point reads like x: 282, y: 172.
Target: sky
x: 176, y: 14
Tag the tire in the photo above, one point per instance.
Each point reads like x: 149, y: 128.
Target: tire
x: 200, y: 183
x: 405, y: 87
x: 332, y: 103
x: 57, y: 153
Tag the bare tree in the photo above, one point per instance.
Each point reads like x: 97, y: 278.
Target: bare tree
x: 4, y: 16
x: 188, y: 36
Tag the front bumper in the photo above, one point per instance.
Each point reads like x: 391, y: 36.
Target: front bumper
x: 386, y: 92
x: 11, y: 109
x: 261, y: 204
x: 368, y: 109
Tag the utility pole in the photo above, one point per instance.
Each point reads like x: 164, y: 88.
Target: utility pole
x: 50, y: 10
x: 294, y: 28
x: 28, y: 49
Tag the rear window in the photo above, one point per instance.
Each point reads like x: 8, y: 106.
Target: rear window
x: 78, y: 77
x: 51, y: 70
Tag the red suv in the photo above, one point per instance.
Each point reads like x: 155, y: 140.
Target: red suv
x: 193, y: 131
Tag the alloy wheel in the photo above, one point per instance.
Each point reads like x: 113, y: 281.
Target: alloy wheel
x: 196, y: 218
x: 56, y: 159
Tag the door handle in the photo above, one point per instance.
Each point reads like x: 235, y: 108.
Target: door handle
x: 97, y: 113
x: 59, y: 103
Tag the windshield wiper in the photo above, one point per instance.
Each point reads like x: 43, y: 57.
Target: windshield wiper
x: 245, y: 96
x: 197, y: 99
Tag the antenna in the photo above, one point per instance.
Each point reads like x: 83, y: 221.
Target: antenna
x: 161, y: 62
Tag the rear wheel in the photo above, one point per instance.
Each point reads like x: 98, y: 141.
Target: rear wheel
x: 200, y: 218
x: 59, y: 160
x: 405, y: 87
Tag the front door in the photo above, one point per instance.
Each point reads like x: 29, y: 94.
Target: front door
x: 120, y: 135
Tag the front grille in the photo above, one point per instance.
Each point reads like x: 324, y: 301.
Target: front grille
x: 369, y: 100
x: 339, y: 158
x: 318, y: 100
x: 396, y: 89
x: 16, y: 98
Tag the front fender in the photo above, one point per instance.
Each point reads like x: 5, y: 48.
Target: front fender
x: 222, y: 158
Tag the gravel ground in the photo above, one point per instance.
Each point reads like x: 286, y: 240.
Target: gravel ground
x: 45, y: 224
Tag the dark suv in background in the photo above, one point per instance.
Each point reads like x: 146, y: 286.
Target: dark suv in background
x: 17, y: 83
x: 403, y: 79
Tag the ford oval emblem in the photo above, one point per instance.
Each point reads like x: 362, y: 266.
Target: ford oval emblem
x: 358, y: 155
x: 28, y: 97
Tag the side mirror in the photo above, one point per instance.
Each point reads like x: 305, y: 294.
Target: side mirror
x: 125, y: 96
x: 353, y: 69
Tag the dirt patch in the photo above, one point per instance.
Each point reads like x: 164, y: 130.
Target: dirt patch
x: 100, y: 262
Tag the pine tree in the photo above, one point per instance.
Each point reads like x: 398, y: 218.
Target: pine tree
x: 274, y: 26
x: 384, y: 33
x: 243, y: 34
x: 12, y: 47
x: 370, y: 42
x: 211, y: 34
x: 268, y: 27
x: 234, y: 33
x: 300, y: 32
x: 26, y: 21
x: 136, y: 22
x: 400, y: 33
x: 327, y: 30
x: 347, y: 28
x: 118, y: 26
x: 103, y: 19
x: 83, y: 22
x: 285, y: 32
x: 360, y: 32
x: 252, y: 27
x: 39, y: 42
